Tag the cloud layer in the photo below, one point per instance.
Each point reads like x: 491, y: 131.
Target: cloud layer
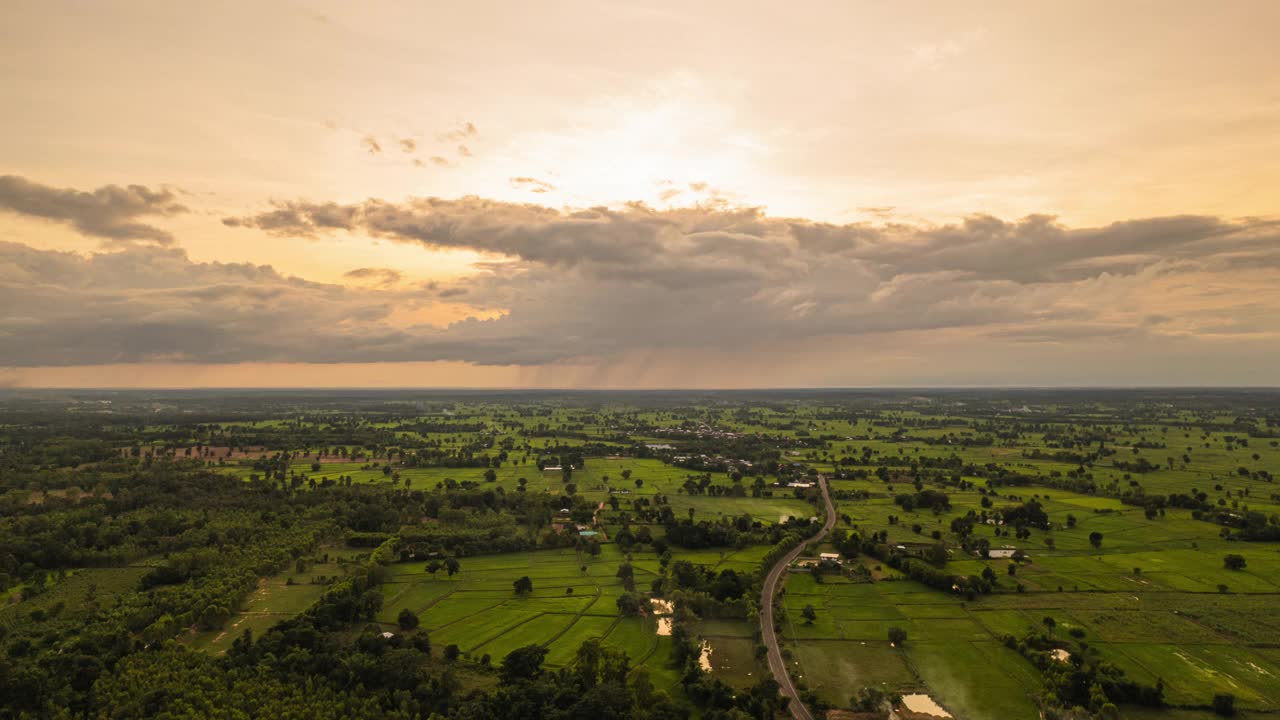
x: 146, y: 303
x: 599, y: 284
x: 111, y: 212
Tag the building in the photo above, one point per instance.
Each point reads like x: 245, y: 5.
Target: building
x: 833, y: 557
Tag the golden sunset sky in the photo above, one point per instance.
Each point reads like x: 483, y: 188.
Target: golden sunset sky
x: 639, y: 194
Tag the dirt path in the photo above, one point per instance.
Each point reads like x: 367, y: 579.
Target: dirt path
x: 777, y: 666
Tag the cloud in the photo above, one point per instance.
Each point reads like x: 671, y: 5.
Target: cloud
x: 145, y: 303
x: 462, y: 132
x: 464, y: 151
x: 1068, y: 332
x: 378, y: 276
x: 442, y: 162
x: 880, y: 211
x: 600, y: 284
x: 933, y: 55
x: 370, y: 144
x: 610, y: 281
x: 408, y: 145
x: 292, y: 219
x: 533, y: 185
x: 109, y: 212
x: 1034, y: 249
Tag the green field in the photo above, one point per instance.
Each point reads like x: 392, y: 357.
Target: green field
x: 1138, y: 531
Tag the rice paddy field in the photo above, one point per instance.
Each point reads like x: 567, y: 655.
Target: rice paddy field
x: 574, y: 599
x: 1141, y: 585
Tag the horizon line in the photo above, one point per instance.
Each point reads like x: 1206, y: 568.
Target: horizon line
x: 517, y: 388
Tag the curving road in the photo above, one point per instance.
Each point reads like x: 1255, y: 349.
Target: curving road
x: 776, y: 664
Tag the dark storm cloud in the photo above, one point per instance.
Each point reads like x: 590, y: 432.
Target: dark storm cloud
x: 110, y: 212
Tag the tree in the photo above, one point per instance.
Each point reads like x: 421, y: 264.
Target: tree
x: 873, y: 699
x: 1050, y: 624
x: 628, y: 576
x: 897, y: 636
x: 1224, y: 704
x: 630, y: 603
x: 523, y: 586
x: 936, y: 554
x: 490, y: 475
x: 452, y: 566
x: 451, y: 653
x: 523, y: 663
x: 1095, y: 539
x: 433, y: 567
x: 810, y: 614
x: 408, y: 619
x: 1234, y: 562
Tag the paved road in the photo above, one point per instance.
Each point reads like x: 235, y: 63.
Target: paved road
x: 776, y: 664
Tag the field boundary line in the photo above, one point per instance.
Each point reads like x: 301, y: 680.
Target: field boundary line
x: 506, y: 630
x: 576, y: 617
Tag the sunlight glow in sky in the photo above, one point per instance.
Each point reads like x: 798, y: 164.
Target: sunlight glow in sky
x: 639, y: 194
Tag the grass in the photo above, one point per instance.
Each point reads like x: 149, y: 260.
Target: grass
x: 976, y: 679
x: 837, y: 669
x: 1193, y: 674
x: 479, y: 611
x: 1150, y: 598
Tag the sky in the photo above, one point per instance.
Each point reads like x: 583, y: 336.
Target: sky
x: 631, y: 195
